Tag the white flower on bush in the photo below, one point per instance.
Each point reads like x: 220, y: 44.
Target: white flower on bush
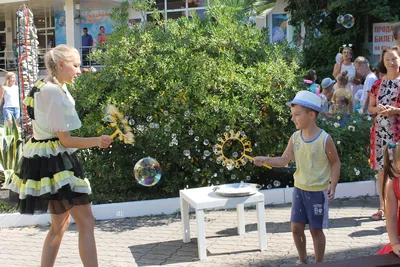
x: 337, y: 125
x: 357, y: 172
x: 338, y: 117
x: 352, y: 128
x: 338, y: 142
x: 360, y: 111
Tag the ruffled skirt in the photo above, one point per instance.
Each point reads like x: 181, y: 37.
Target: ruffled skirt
x: 50, y: 178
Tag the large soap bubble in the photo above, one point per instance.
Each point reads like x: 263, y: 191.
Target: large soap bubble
x: 147, y: 171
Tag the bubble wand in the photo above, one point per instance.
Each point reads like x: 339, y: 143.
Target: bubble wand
x: 114, y: 117
x: 242, y: 160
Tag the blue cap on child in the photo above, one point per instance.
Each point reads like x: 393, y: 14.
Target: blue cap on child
x: 307, y: 99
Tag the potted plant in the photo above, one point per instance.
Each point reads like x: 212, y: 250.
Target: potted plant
x: 10, y: 153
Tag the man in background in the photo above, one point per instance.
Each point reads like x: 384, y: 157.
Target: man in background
x: 87, y: 43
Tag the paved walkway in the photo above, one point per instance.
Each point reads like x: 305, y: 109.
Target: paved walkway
x: 157, y: 240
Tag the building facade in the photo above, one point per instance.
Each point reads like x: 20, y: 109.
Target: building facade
x: 63, y: 21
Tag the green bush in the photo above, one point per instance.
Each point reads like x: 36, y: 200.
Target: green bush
x: 184, y: 83
x: 352, y: 142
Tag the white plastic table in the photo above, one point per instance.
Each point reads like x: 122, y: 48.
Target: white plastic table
x: 204, y: 198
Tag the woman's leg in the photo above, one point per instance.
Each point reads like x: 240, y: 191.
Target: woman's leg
x: 379, y: 214
x: 59, y: 223
x: 84, y: 219
x: 380, y: 187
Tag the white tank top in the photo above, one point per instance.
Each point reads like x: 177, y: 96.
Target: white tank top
x: 351, y: 70
x: 11, y: 96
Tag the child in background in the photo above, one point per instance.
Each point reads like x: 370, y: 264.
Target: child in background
x: 326, y: 95
x: 342, y: 80
x: 316, y: 176
x: 391, y: 194
x: 309, y: 80
x: 358, y: 98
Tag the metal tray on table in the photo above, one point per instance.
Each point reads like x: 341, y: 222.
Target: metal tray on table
x: 237, y: 189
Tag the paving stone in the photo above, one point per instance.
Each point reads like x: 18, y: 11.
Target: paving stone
x: 157, y: 240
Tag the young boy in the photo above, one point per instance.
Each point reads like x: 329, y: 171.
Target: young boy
x: 316, y: 176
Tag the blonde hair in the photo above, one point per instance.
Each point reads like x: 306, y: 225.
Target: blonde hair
x: 8, y: 77
x: 342, y: 79
x: 361, y: 61
x: 52, y: 57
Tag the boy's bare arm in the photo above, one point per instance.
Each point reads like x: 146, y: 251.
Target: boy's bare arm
x: 281, y: 161
x: 333, y: 157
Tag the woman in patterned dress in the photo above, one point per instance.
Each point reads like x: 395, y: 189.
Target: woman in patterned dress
x: 50, y: 176
x: 384, y: 103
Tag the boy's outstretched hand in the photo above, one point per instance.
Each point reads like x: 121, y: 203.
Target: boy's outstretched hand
x: 259, y: 161
x: 331, y: 192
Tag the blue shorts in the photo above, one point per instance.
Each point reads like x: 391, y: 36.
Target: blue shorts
x: 310, y: 207
x: 8, y: 111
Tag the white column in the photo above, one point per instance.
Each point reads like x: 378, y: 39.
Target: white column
x: 9, y: 16
x: 70, y: 22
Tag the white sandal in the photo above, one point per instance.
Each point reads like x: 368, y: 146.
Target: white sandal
x: 299, y: 262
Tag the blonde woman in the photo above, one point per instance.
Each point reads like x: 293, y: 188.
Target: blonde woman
x: 9, y: 91
x: 51, y: 177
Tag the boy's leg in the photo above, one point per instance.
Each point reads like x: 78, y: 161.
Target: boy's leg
x: 318, y: 237
x: 298, y: 221
x: 317, y: 211
x: 299, y: 240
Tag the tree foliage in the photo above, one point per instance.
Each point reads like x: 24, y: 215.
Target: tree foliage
x: 324, y: 36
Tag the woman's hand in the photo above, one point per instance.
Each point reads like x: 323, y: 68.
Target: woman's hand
x: 387, y: 110
x: 104, y: 141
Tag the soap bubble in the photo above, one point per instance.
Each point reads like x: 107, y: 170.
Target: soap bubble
x: 216, y: 108
x: 227, y: 128
x: 140, y: 128
x: 149, y: 118
x: 235, y: 155
x: 233, y: 177
x: 215, y: 174
x: 187, y: 113
x: 186, y: 152
x: 166, y: 113
x: 167, y: 128
x: 173, y: 135
x: 340, y: 19
x: 131, y: 122
x: 147, y: 171
x: 190, y: 132
x: 348, y: 21
x: 269, y: 186
x: 196, y: 138
x: 230, y: 165
x: 206, y: 153
x: 206, y: 142
x: 277, y: 183
x: 248, y: 178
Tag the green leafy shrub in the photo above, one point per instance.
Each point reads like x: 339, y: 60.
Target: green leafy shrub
x: 352, y: 142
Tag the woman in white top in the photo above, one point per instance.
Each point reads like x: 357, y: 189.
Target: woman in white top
x: 10, y: 93
x: 51, y: 177
x: 345, y: 64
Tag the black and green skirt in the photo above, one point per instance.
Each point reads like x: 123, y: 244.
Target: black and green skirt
x: 50, y: 178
